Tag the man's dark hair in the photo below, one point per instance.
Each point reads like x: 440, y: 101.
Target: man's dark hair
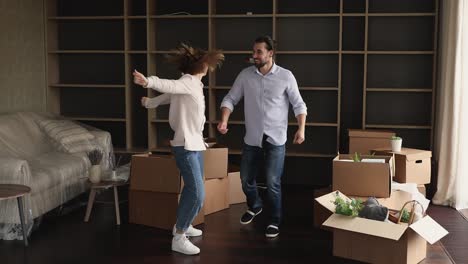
x: 269, y: 42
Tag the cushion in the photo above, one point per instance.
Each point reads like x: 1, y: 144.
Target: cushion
x: 67, y: 135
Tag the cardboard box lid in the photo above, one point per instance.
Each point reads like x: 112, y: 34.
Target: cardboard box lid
x: 409, y: 153
x: 371, y: 133
x: 426, y: 227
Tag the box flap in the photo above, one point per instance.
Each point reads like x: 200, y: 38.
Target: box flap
x: 328, y: 199
x: 429, y: 229
x: 371, y: 133
x: 366, y: 226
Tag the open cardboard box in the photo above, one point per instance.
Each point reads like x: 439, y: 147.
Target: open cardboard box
x: 363, y: 178
x: 380, y: 242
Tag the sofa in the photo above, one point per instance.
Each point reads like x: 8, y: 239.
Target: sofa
x: 35, y: 151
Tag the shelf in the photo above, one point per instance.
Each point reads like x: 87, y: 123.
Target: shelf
x: 400, y: 14
x: 106, y: 119
x: 136, y: 17
x: 62, y: 85
x: 307, y: 52
x: 178, y: 16
x: 86, y: 52
x: 398, y: 126
x: 308, y: 15
x: 399, y: 90
x: 242, y: 16
x: 86, y: 18
x: 130, y: 150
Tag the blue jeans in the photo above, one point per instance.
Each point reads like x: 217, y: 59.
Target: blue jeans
x: 274, y: 164
x: 190, y: 164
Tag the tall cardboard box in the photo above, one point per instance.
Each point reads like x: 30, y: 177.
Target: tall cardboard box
x: 156, y: 173
x: 411, y: 165
x: 363, y: 141
x: 236, y: 195
x: 216, y: 195
x: 362, y: 178
x: 156, y: 209
x: 380, y: 242
x: 215, y: 161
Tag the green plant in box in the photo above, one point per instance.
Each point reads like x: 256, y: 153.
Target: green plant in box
x: 349, y: 208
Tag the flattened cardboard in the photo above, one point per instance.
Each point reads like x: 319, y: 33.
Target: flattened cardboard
x: 236, y: 195
x: 411, y: 165
x: 362, y: 178
x: 156, y: 209
x: 363, y: 141
x: 216, y: 195
x: 156, y: 173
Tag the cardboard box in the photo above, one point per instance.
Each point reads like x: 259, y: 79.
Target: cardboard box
x: 422, y: 189
x: 156, y: 209
x: 236, y: 195
x: 380, y: 242
x: 216, y: 195
x: 362, y: 178
x: 321, y: 213
x: 215, y: 161
x: 411, y: 165
x: 156, y: 173
x: 363, y: 141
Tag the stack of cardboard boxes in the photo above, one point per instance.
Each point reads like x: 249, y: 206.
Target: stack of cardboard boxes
x: 368, y: 240
x: 156, y: 184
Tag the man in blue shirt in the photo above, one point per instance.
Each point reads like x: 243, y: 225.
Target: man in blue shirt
x: 267, y: 90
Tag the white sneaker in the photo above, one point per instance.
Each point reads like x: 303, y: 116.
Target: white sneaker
x: 182, y: 244
x: 191, y: 231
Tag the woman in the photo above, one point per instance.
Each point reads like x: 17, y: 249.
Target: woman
x: 187, y: 119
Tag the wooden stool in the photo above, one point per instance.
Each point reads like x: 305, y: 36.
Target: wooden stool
x: 9, y: 191
x: 104, y: 185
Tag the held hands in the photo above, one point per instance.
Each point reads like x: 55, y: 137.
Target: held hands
x: 299, y: 137
x: 139, y: 79
x: 222, y: 127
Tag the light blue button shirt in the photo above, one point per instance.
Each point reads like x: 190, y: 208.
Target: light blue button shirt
x: 266, y: 103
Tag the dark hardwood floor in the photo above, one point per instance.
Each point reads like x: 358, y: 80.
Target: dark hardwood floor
x: 67, y: 239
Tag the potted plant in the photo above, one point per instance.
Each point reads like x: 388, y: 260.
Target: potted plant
x: 95, y: 171
x: 396, y: 143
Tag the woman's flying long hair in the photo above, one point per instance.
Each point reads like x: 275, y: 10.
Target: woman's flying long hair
x: 193, y: 60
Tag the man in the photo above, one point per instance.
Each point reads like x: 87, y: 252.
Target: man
x: 267, y: 90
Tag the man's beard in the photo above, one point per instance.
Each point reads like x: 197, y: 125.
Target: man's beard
x: 260, y: 64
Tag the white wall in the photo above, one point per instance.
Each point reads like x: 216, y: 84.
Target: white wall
x: 22, y: 58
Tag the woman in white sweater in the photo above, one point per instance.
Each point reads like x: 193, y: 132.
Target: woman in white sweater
x: 187, y: 119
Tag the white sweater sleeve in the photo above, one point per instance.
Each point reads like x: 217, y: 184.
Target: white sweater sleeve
x: 168, y: 86
x: 157, y: 101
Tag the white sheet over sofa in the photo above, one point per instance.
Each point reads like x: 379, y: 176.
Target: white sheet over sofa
x: 29, y: 157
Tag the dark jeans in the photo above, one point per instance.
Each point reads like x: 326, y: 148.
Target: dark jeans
x: 274, y: 163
